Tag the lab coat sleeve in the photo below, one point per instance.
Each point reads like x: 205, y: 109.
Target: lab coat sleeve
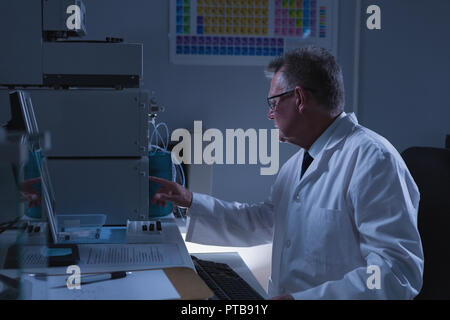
x: 385, y: 200
x: 222, y: 223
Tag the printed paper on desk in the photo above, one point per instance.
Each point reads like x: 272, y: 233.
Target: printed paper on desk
x: 126, y: 257
x: 140, y: 285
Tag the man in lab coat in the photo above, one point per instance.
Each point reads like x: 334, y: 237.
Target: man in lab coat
x: 342, y: 213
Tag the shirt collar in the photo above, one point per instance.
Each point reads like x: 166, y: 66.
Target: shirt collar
x: 320, y: 142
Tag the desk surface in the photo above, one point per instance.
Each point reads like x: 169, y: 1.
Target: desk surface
x: 170, y: 234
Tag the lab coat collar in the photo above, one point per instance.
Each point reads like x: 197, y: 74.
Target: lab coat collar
x: 320, y: 142
x: 343, y: 128
x: 331, y: 137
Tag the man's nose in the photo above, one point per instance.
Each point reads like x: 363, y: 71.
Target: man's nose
x: 270, y: 115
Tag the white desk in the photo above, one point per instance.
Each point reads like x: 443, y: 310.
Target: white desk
x: 169, y: 235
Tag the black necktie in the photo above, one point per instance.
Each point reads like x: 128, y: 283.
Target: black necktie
x: 307, y: 159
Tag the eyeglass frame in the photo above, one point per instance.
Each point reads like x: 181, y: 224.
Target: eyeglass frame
x: 280, y: 95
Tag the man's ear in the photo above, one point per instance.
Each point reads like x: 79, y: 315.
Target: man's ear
x: 300, y: 98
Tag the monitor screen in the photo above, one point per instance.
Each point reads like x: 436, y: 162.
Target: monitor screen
x: 23, y: 119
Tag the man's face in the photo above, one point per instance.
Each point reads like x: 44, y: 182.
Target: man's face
x: 284, y: 113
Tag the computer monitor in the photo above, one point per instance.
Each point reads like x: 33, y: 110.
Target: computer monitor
x: 23, y: 119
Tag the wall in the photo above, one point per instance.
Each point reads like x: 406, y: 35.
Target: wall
x: 405, y: 73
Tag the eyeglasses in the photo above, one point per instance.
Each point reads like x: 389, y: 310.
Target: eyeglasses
x: 272, y: 104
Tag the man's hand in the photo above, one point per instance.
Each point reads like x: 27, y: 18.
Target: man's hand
x: 171, y: 191
x: 29, y: 194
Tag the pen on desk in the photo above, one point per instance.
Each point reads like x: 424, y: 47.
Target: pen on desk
x: 99, y: 277
x: 103, y: 277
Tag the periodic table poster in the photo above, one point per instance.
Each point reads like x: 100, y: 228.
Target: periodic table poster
x: 248, y: 32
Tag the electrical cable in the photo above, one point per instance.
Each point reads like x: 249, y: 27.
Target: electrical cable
x: 165, y: 143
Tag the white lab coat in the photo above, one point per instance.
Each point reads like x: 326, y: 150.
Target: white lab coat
x: 355, y: 207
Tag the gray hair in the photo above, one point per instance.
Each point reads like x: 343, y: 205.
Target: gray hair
x: 312, y: 68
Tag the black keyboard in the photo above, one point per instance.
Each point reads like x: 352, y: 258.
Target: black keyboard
x: 224, y: 282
